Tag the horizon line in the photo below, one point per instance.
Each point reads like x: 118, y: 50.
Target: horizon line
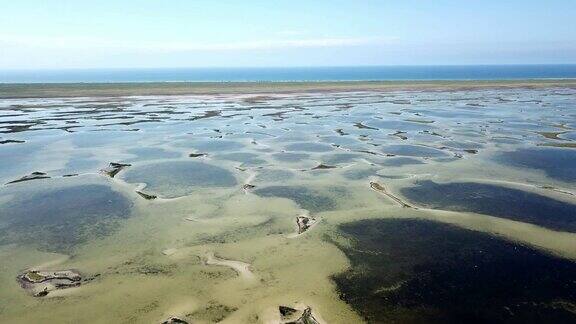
x: 284, y: 67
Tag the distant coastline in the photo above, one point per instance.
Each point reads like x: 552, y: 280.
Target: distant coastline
x: 294, y: 74
x: 55, y: 90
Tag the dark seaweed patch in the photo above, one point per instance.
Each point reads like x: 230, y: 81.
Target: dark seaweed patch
x: 416, y: 271
x: 496, y: 201
x: 57, y: 220
x: 556, y: 162
x: 214, y: 312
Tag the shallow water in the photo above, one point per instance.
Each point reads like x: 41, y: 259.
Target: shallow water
x: 450, y: 275
x: 486, y: 178
x: 496, y: 201
x: 557, y: 163
x: 179, y: 178
x: 56, y: 220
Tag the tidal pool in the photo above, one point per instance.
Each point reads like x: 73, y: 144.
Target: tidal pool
x: 442, y: 206
x: 308, y: 147
x: 413, y: 150
x: 151, y: 153
x: 57, y: 219
x: 306, y: 198
x: 290, y: 157
x: 401, y: 161
x: 215, y: 145
x: 244, y: 158
x: 179, y: 178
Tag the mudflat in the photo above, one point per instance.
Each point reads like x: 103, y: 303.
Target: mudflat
x: 288, y: 202
x: 53, y: 90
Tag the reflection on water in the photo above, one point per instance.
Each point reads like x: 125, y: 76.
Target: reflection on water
x: 474, y: 218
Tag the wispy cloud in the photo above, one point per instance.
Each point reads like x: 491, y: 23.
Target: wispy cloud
x: 291, y: 32
x: 184, y: 46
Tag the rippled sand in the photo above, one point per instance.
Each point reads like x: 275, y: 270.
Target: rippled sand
x: 212, y: 235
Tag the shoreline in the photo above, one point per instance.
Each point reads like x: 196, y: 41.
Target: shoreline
x: 123, y: 89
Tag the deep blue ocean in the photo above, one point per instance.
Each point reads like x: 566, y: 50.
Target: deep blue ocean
x: 372, y: 73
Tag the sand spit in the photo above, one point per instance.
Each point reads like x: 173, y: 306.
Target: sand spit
x: 146, y: 196
x: 381, y: 189
x: 247, y: 186
x: 242, y: 268
x: 36, y: 175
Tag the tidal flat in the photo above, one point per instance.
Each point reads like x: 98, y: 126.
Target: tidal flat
x: 424, y: 202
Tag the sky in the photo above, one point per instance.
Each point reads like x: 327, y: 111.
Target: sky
x: 60, y: 34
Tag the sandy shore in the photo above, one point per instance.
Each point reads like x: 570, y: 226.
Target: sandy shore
x: 242, y: 268
x: 54, y: 90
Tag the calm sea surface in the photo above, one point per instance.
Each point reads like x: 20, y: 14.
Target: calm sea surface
x: 475, y: 72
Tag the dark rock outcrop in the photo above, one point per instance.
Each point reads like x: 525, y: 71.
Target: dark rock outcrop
x: 174, y: 320
x: 32, y: 176
x: 304, y: 223
x: 146, y: 196
x: 41, y: 283
x: 113, y: 168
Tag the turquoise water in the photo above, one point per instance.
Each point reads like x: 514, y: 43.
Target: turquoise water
x: 472, y: 72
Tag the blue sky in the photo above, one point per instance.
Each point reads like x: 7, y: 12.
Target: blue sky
x: 196, y: 33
